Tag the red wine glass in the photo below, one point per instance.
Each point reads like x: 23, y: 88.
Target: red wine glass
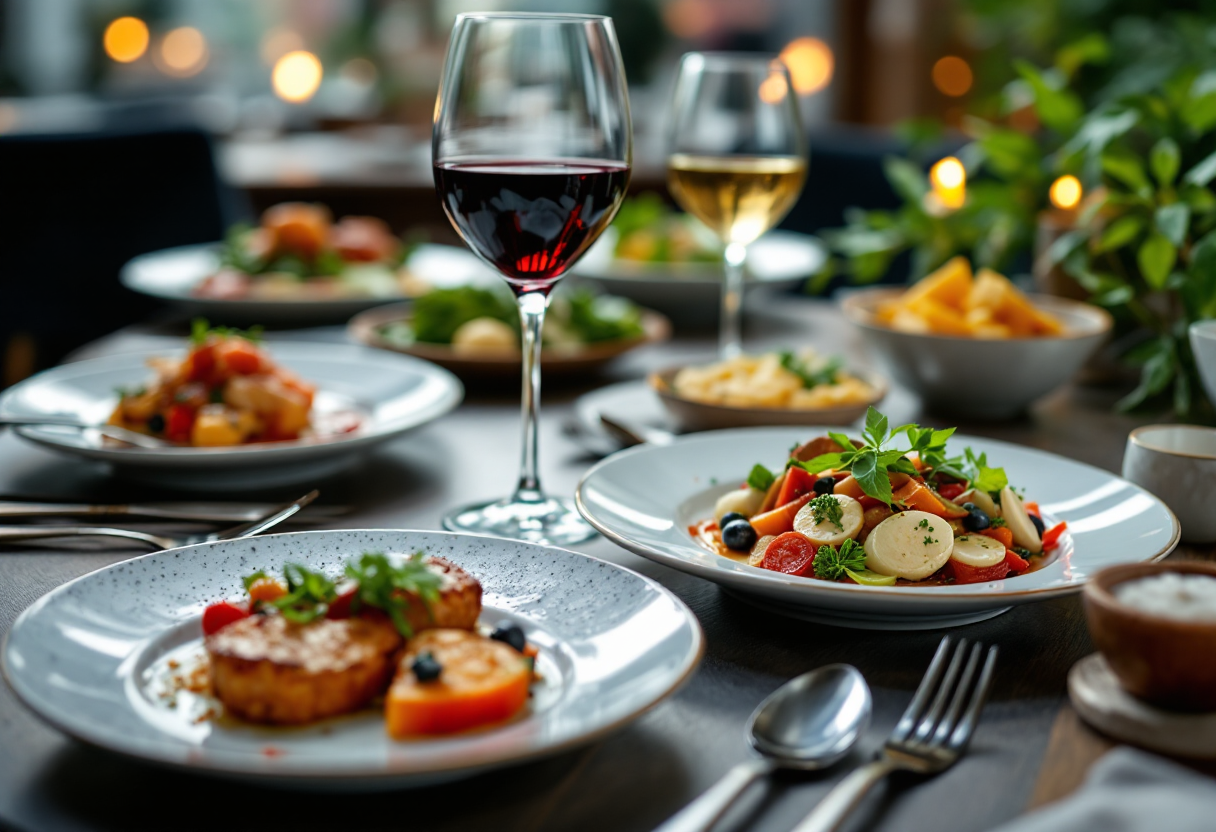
x: 531, y: 150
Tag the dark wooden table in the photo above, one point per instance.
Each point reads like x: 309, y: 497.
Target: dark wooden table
x: 646, y: 772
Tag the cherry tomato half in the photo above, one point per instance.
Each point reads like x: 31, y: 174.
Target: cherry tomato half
x: 218, y: 616
x: 792, y: 553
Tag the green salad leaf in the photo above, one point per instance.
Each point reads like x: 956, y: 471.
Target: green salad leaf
x: 761, y: 478
x: 812, y: 376
x: 440, y: 312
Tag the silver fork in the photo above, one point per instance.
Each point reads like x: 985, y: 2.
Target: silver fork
x: 930, y: 737
x: 273, y: 518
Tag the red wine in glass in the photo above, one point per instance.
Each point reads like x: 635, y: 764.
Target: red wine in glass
x: 531, y: 219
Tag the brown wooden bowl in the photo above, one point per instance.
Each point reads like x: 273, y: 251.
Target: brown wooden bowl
x: 692, y: 415
x: 365, y: 329
x: 1167, y: 662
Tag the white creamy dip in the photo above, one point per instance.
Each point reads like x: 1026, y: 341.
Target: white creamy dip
x: 1180, y: 595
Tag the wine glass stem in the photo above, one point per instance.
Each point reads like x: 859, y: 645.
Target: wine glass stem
x: 532, y: 306
x: 730, y: 338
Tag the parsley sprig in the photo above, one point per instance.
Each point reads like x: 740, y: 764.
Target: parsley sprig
x: 201, y: 329
x: 832, y: 563
x: 826, y: 507
x: 309, y: 593
x: 812, y: 375
x: 971, y: 468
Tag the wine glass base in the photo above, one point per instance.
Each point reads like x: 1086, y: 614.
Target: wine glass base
x: 548, y: 520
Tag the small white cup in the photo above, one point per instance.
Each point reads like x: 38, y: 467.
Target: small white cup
x: 1203, y: 344
x: 1178, y: 464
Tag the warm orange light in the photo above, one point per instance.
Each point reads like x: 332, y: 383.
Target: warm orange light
x: 810, y: 63
x: 296, y: 76
x: 773, y: 89
x: 277, y: 43
x: 183, y: 52
x: 1066, y: 192
x: 952, y: 76
x: 949, y: 180
x: 688, y: 18
x: 126, y: 39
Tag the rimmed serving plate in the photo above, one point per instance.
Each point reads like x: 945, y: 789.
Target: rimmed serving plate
x: 173, y: 274
x: 644, y: 500
x: 87, y: 658
x: 389, y: 395
x: 365, y: 328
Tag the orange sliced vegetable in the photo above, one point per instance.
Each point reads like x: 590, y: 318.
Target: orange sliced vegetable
x: 849, y: 487
x: 770, y: 496
x: 792, y: 553
x: 1016, y: 562
x: 798, y: 481
x: 1032, y: 508
x: 915, y: 494
x: 1003, y: 534
x: 1051, y: 537
x: 781, y: 519
x: 266, y: 590
x: 482, y: 682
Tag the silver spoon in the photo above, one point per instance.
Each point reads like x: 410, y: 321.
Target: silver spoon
x: 808, y: 723
x: 140, y: 440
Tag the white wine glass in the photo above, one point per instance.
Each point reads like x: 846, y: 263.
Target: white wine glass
x: 531, y: 151
x: 736, y: 159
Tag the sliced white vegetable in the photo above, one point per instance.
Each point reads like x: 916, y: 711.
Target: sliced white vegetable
x: 757, y: 556
x: 826, y: 532
x: 977, y: 550
x: 910, y: 545
x: 980, y: 500
x: 746, y: 501
x: 1018, y: 521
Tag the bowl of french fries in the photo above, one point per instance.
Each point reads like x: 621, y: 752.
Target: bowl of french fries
x: 974, y: 345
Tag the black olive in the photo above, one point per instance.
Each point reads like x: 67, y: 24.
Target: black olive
x: 824, y: 485
x: 157, y: 423
x: 426, y: 668
x: 1038, y: 523
x: 968, y: 506
x: 976, y: 521
x: 729, y: 517
x: 739, y: 535
x: 510, y: 634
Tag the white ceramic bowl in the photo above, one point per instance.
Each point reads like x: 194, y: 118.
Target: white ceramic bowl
x: 645, y: 498
x: 1203, y: 344
x: 85, y: 657
x: 979, y: 378
x: 1178, y: 464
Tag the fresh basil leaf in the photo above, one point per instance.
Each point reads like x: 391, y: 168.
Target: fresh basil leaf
x: 761, y: 478
x: 876, y: 426
x: 822, y: 463
x: 872, y: 479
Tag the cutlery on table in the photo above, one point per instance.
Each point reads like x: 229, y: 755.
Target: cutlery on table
x: 929, y: 738
x: 9, y: 534
x: 140, y: 440
x: 635, y: 433
x: 808, y: 723
x: 202, y: 512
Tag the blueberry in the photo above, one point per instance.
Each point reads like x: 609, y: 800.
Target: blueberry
x: 824, y: 485
x: 976, y: 521
x: 510, y: 634
x: 1038, y: 523
x: 157, y: 423
x: 426, y: 668
x: 968, y: 506
x: 729, y: 517
x: 739, y: 535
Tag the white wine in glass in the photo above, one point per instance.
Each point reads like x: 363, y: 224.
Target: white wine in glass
x: 737, y: 160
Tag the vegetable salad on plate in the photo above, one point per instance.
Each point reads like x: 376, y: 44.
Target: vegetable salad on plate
x: 893, y: 507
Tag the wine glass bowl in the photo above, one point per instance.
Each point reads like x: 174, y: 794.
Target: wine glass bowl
x: 736, y: 159
x: 531, y: 150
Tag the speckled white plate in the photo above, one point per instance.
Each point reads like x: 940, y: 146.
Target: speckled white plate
x: 88, y: 657
x: 644, y: 499
x: 391, y: 393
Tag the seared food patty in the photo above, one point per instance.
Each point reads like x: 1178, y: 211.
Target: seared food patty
x: 266, y: 669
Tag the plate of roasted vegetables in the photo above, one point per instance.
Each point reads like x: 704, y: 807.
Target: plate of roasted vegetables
x: 473, y: 330
x: 298, y: 263
x: 889, y: 526
x: 351, y: 659
x: 231, y: 410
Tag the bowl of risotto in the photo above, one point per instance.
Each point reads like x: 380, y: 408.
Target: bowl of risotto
x: 773, y: 388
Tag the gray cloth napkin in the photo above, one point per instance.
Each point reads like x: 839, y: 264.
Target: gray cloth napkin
x: 1130, y: 791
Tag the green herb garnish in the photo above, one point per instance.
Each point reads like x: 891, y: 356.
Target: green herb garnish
x: 201, y: 330
x: 812, y: 375
x: 308, y: 597
x: 826, y: 507
x: 832, y: 563
x: 996, y: 522
x: 387, y: 586
x: 761, y: 478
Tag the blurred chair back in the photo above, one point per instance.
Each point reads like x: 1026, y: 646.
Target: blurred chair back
x: 74, y: 209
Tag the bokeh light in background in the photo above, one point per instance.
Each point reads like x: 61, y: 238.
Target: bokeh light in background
x: 1066, y: 192
x: 952, y: 76
x: 126, y: 39
x: 278, y: 42
x: 183, y: 52
x: 773, y: 89
x: 296, y: 76
x: 810, y: 62
x: 948, y: 178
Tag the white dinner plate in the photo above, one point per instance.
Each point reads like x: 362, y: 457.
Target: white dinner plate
x: 644, y: 500
x: 391, y: 394
x: 172, y: 274
x: 88, y: 658
x: 689, y: 292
